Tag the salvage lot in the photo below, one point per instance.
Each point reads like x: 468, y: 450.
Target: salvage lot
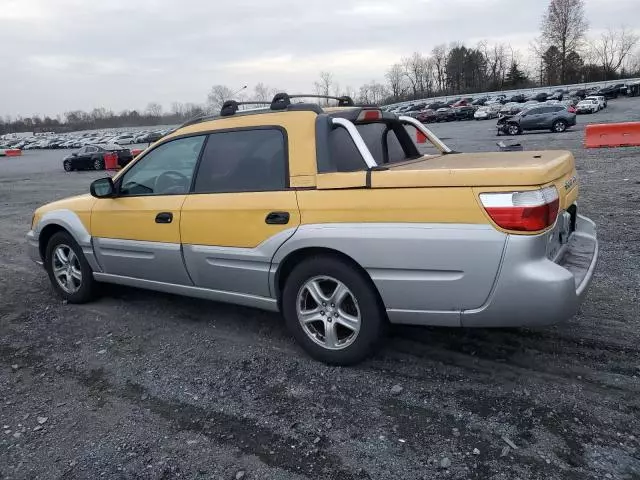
x: 147, y: 385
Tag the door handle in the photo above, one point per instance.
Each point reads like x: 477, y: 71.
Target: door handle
x: 164, y: 217
x: 277, y: 218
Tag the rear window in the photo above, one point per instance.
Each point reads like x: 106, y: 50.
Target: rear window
x: 345, y: 156
x: 375, y: 136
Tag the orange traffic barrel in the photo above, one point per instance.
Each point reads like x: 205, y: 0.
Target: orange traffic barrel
x: 111, y: 161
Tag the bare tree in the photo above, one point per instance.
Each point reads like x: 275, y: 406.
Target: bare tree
x: 372, y: 93
x: 416, y: 70
x: 612, y: 49
x: 564, y: 26
x: 264, y: 93
x: 324, y: 84
x: 217, y: 96
x: 495, y: 58
x: 396, y: 81
x: 178, y: 109
x: 439, y: 56
x: 154, y: 109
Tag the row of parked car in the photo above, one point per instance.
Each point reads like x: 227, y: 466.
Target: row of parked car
x: 468, y: 109
x: 488, y: 107
x: 79, y: 141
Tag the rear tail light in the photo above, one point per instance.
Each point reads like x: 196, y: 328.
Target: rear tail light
x: 529, y: 211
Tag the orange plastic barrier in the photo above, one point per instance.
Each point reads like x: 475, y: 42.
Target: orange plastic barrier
x: 612, y: 135
x: 110, y: 161
x: 13, y: 152
x: 136, y: 151
x: 420, y: 137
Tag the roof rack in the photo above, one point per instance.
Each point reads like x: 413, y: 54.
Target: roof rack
x: 282, y: 100
x: 230, y: 107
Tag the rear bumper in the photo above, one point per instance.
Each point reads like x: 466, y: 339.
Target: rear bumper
x: 532, y: 290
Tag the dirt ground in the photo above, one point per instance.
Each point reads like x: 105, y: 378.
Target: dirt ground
x: 152, y: 386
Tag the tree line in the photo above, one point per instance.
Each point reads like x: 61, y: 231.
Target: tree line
x: 563, y: 54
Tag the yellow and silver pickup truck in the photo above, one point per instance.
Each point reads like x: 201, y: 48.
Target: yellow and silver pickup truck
x: 336, y: 218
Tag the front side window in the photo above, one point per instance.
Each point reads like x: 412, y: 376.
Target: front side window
x: 243, y: 161
x: 165, y: 170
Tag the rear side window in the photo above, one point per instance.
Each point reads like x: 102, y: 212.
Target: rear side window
x: 243, y: 161
x: 345, y: 156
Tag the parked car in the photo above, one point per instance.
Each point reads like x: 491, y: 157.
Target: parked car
x: 427, y: 116
x: 501, y: 99
x: 510, y: 109
x: 452, y: 102
x: 557, y: 94
x: 153, y: 137
x: 445, y: 114
x: 92, y: 157
x: 602, y: 101
x: 437, y: 105
x: 517, y: 98
x: 547, y: 117
x: 580, y: 93
x: 461, y: 103
x: 538, y: 96
x: 608, y: 92
x: 464, y: 112
x: 124, y: 139
x: 588, y: 106
x: 486, y: 112
x: 502, y: 245
x: 480, y: 101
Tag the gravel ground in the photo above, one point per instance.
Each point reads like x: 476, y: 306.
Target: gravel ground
x: 152, y: 386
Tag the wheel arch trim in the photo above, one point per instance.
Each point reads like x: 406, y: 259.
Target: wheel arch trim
x: 70, y: 222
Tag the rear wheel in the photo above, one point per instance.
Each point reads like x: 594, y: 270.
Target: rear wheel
x: 559, y: 126
x: 98, y: 164
x: 333, y: 311
x: 68, y: 270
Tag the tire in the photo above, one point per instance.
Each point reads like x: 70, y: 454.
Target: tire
x: 327, y: 273
x: 514, y: 129
x: 67, y: 166
x: 98, y: 164
x: 559, y: 126
x: 78, y: 285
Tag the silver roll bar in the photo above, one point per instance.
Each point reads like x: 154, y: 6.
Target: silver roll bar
x: 357, y: 140
x: 433, y: 139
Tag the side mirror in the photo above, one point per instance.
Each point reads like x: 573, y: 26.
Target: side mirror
x: 102, y: 188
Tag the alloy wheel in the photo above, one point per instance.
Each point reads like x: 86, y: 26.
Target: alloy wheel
x: 328, y: 312
x: 66, y: 268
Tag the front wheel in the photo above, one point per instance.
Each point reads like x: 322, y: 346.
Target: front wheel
x: 98, y: 164
x: 333, y: 311
x: 559, y: 126
x: 514, y: 129
x: 68, y: 270
x: 67, y: 165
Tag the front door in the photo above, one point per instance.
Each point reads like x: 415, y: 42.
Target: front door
x: 137, y: 233
x: 240, y: 212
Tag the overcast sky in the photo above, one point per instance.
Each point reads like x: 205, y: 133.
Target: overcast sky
x: 61, y: 55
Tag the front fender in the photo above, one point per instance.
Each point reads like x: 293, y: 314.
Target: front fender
x: 71, y: 222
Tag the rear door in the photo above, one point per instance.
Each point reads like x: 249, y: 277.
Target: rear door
x: 240, y: 211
